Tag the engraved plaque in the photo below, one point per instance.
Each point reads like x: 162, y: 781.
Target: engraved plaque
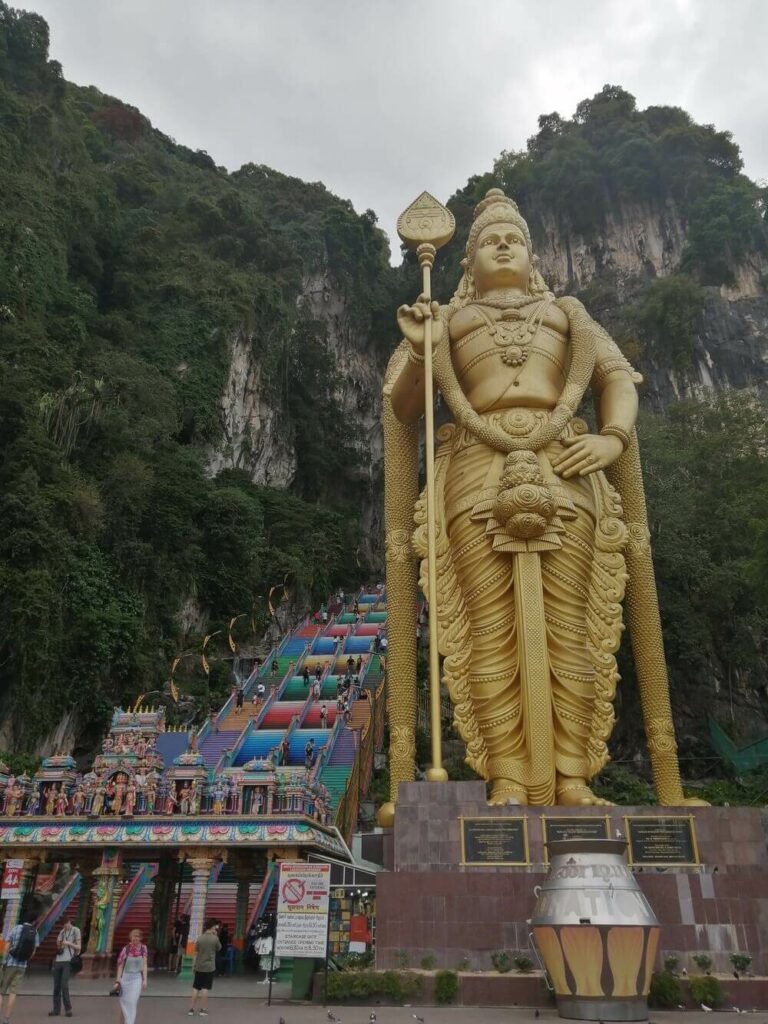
x: 494, y: 841
x: 573, y: 828
x: 662, y: 841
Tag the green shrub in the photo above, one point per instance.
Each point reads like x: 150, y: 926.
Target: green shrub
x: 740, y: 961
x: 428, y: 962
x: 446, y: 987
x: 665, y: 991
x: 463, y: 964
x: 703, y: 961
x: 402, y: 959
x: 500, y: 960
x: 670, y: 963
x: 523, y: 963
x: 706, y: 990
x: 391, y: 985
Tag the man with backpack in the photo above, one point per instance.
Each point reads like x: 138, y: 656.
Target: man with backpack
x: 22, y: 943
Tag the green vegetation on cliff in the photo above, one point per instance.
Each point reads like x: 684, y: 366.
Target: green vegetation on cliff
x: 127, y: 264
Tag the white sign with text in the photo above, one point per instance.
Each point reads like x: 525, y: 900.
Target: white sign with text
x: 303, y: 899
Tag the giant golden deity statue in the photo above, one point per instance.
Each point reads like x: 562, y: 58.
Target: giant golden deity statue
x: 539, y: 524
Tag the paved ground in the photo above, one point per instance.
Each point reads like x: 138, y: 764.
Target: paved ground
x: 243, y: 1001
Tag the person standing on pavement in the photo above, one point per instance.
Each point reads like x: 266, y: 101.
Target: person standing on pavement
x: 67, y: 946
x: 208, y: 946
x: 22, y: 943
x: 131, y: 976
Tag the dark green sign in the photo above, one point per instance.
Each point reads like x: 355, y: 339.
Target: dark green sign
x: 662, y: 841
x: 494, y: 841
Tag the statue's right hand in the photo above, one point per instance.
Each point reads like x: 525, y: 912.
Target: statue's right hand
x: 411, y: 320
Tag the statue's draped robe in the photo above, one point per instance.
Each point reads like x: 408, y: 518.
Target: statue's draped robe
x: 528, y: 628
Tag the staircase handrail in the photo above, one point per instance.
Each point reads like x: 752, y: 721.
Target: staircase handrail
x: 305, y: 707
x: 132, y: 890
x: 267, y: 886
x: 325, y: 753
x: 57, y: 908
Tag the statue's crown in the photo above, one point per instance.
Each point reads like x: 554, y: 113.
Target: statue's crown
x: 496, y: 208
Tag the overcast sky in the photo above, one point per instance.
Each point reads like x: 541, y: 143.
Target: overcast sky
x: 380, y: 99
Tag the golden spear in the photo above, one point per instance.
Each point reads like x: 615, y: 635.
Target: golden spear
x: 426, y: 226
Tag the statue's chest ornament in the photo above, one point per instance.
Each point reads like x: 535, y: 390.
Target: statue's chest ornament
x: 514, y: 332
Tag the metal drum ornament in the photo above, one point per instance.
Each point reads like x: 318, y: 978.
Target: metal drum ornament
x: 595, y: 931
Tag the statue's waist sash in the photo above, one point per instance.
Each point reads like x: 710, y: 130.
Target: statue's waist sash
x: 525, y: 505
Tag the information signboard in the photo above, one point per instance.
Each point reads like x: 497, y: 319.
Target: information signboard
x: 302, y: 909
x: 11, y: 879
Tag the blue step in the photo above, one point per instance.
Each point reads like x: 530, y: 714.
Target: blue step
x: 324, y: 645
x: 214, y: 745
x: 344, y: 751
x: 300, y: 738
x: 358, y: 644
x: 294, y: 646
x: 258, y: 744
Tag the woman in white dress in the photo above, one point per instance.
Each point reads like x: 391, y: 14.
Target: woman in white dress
x: 131, y: 976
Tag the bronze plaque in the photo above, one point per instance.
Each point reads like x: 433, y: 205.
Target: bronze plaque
x: 494, y: 841
x: 573, y: 828
x: 662, y: 841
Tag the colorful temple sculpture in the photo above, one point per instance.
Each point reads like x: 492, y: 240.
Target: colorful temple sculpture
x: 169, y: 824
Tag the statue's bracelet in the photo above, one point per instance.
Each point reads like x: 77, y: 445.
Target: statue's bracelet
x: 414, y: 356
x: 611, y: 430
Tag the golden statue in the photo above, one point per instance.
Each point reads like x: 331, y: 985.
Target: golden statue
x: 533, y: 548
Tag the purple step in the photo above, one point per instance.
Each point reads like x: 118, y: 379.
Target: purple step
x: 344, y: 751
x: 214, y: 745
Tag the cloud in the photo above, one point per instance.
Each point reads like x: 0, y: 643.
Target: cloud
x: 380, y: 100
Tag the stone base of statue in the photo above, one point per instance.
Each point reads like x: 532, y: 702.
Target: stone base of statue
x: 96, y: 965
x: 462, y: 876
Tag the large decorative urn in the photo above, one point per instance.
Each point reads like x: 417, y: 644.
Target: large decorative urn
x: 595, y: 931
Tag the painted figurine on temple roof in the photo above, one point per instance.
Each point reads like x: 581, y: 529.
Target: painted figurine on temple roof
x: 151, y: 795
x: 130, y: 799
x: 184, y: 798
x: 14, y: 799
x: 50, y: 799
x: 62, y: 803
x: 97, y: 804
x: 78, y: 800
x: 108, y: 744
x: 117, y: 800
x: 170, y: 801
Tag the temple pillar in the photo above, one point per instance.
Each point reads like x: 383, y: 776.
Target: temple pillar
x: 106, y: 896
x: 162, y: 901
x: 27, y: 868
x: 245, y: 868
x: 201, y: 863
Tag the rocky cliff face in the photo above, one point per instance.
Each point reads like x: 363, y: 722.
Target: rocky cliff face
x: 258, y: 437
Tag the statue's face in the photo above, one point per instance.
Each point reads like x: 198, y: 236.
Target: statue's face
x: 501, y: 259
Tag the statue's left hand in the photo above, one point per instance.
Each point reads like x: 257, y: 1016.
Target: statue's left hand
x: 586, y: 454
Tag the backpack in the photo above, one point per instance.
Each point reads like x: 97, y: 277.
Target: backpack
x: 25, y: 944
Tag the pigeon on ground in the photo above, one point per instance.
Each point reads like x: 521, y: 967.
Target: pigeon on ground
x: 281, y: 1021
x: 684, y: 973
x: 680, y: 1006
x: 736, y: 975
x: 705, y: 1008
x: 330, y: 1016
x: 536, y: 1014
x: 416, y: 1017
x: 372, y: 1018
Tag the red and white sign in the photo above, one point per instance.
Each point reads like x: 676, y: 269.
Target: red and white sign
x: 11, y: 887
x: 303, y: 900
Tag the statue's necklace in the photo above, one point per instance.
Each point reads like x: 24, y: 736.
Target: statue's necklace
x: 513, y: 332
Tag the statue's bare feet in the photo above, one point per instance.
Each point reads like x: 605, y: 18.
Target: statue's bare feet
x: 574, y: 792
x: 504, y: 791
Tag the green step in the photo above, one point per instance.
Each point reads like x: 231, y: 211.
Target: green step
x: 346, y: 618
x: 376, y: 617
x: 374, y: 666
x: 335, y: 778
x: 295, y: 689
x: 328, y: 691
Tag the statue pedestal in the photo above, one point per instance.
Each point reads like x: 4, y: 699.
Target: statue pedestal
x: 434, y: 903
x: 96, y: 965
